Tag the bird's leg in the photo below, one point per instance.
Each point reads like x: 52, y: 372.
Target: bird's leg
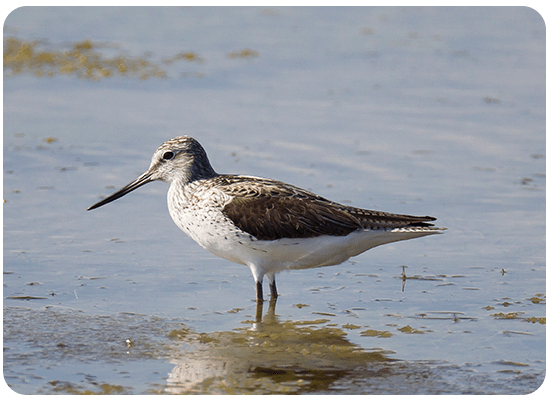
x: 271, y: 308
x: 272, y: 287
x: 259, y: 310
x: 259, y: 292
x: 270, y: 314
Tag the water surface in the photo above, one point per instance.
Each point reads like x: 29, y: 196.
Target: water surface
x: 427, y: 111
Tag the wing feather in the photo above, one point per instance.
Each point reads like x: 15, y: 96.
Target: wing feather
x: 270, y: 210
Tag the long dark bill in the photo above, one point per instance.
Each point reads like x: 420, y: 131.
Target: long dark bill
x: 139, y: 181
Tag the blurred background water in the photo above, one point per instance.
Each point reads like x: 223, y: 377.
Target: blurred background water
x: 427, y: 111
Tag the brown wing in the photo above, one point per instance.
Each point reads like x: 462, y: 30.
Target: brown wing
x: 271, y: 210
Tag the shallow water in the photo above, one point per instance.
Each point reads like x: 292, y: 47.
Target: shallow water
x: 427, y: 111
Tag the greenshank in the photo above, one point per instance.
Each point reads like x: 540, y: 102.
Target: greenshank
x: 268, y: 225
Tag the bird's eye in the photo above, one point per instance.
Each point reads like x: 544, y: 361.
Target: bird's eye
x: 168, y: 155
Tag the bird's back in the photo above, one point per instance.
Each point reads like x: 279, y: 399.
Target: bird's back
x: 270, y: 210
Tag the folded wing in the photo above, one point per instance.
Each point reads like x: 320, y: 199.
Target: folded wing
x: 274, y: 210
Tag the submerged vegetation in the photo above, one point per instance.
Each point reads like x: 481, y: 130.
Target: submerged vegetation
x: 89, y: 60
x: 82, y: 59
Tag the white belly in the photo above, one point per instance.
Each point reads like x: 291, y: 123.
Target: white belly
x: 276, y: 255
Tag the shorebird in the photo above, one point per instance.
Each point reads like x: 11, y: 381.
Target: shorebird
x: 265, y: 224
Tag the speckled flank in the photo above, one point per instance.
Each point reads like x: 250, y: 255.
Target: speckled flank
x: 265, y: 224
